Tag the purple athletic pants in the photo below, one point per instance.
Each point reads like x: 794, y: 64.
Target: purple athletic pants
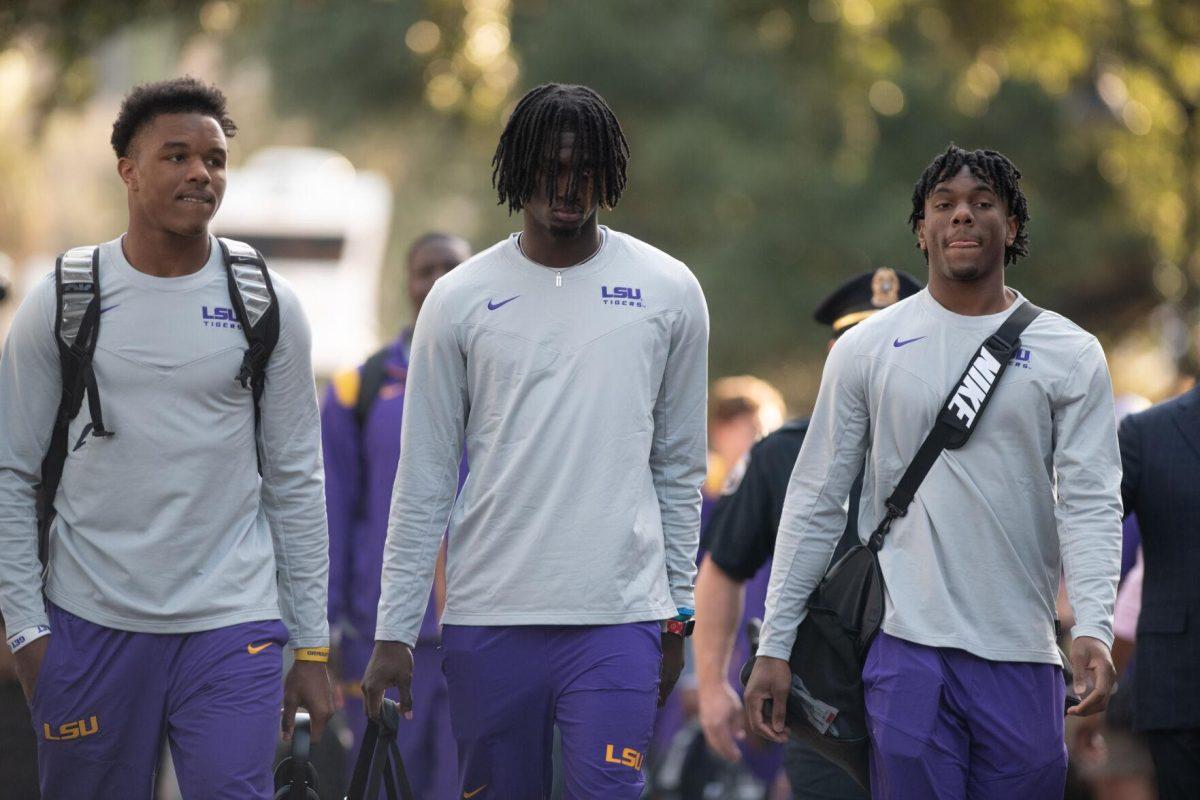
x: 509, y: 687
x: 426, y: 743
x: 105, y: 699
x: 947, y: 724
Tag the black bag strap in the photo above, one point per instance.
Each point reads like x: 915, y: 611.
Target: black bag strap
x: 257, y: 310
x: 379, y: 764
x: 76, y: 331
x: 960, y: 412
x: 373, y: 374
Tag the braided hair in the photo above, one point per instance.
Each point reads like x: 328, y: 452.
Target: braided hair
x: 530, y: 141
x: 992, y: 168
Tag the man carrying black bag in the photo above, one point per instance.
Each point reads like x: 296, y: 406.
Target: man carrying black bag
x: 964, y: 693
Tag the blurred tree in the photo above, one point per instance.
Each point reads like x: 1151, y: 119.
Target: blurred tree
x: 774, y: 144
x: 775, y: 152
x: 69, y: 31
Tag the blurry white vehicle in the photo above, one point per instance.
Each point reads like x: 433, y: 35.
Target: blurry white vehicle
x: 323, y: 226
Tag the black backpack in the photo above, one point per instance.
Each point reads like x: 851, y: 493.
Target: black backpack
x: 373, y: 374
x: 77, y: 328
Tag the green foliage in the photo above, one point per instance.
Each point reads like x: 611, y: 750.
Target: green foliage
x: 774, y: 145
x: 69, y: 31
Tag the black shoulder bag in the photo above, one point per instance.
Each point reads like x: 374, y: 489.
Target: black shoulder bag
x: 825, y: 707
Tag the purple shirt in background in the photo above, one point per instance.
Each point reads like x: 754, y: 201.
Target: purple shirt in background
x: 360, y: 470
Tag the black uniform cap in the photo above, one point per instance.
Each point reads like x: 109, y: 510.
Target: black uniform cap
x: 863, y: 295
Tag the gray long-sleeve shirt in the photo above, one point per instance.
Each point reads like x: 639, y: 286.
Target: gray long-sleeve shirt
x: 581, y: 396
x: 975, y: 563
x: 166, y: 526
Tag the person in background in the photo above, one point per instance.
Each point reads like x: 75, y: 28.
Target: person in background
x: 360, y: 432
x: 1109, y: 760
x: 1160, y: 456
x: 731, y: 587
x: 741, y: 410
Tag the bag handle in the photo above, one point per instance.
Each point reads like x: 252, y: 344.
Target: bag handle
x: 379, y: 760
x: 960, y: 412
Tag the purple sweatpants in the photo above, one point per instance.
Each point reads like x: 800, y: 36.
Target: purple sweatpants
x: 105, y: 698
x: 509, y: 687
x: 426, y: 743
x: 947, y: 724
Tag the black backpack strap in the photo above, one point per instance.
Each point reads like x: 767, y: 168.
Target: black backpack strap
x: 372, y: 376
x: 76, y: 330
x: 257, y: 310
x: 960, y: 413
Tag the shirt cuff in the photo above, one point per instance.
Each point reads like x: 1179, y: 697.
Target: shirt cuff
x: 26, y: 636
x: 683, y: 597
x: 406, y: 638
x: 1103, y: 633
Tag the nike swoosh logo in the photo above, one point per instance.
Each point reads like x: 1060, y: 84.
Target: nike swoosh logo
x: 252, y: 650
x: 110, y: 308
x: 493, y: 306
x: 469, y: 795
x: 901, y: 343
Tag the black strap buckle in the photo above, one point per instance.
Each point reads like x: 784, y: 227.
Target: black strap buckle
x: 997, y: 347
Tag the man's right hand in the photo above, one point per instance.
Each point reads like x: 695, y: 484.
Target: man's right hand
x: 770, y: 680
x: 723, y: 720
x: 391, y: 665
x: 29, y: 665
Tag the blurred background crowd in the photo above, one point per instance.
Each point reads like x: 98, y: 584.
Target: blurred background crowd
x: 774, y: 148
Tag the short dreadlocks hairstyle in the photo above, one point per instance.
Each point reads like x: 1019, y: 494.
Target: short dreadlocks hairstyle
x: 529, y: 145
x: 177, y: 96
x: 992, y: 168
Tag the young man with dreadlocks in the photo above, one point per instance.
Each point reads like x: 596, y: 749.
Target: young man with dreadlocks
x: 572, y: 359
x: 964, y: 689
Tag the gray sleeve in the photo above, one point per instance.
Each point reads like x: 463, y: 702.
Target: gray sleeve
x: 814, y: 513
x: 431, y: 442
x: 293, y: 483
x: 1087, y: 464
x: 679, y: 452
x: 30, y: 390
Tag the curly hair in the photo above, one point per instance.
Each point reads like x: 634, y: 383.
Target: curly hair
x: 530, y: 141
x: 992, y: 168
x: 177, y: 96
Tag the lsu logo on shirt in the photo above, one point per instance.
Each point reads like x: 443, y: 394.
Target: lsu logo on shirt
x: 628, y: 758
x: 217, y: 317
x: 72, y: 730
x: 621, y: 296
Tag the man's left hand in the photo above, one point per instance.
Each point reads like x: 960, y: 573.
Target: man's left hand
x: 1093, y: 667
x: 307, y: 685
x: 672, y: 665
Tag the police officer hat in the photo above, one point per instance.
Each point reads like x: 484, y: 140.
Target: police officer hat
x: 863, y: 295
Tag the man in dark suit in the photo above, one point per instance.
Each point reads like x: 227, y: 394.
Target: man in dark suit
x: 1160, y: 452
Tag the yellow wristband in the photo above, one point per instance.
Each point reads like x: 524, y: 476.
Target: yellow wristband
x: 320, y: 654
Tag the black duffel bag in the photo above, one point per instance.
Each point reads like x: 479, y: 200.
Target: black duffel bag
x: 826, y: 707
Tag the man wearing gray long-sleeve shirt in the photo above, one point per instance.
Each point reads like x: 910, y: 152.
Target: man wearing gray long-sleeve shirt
x: 170, y: 561
x: 572, y: 360
x: 963, y: 685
